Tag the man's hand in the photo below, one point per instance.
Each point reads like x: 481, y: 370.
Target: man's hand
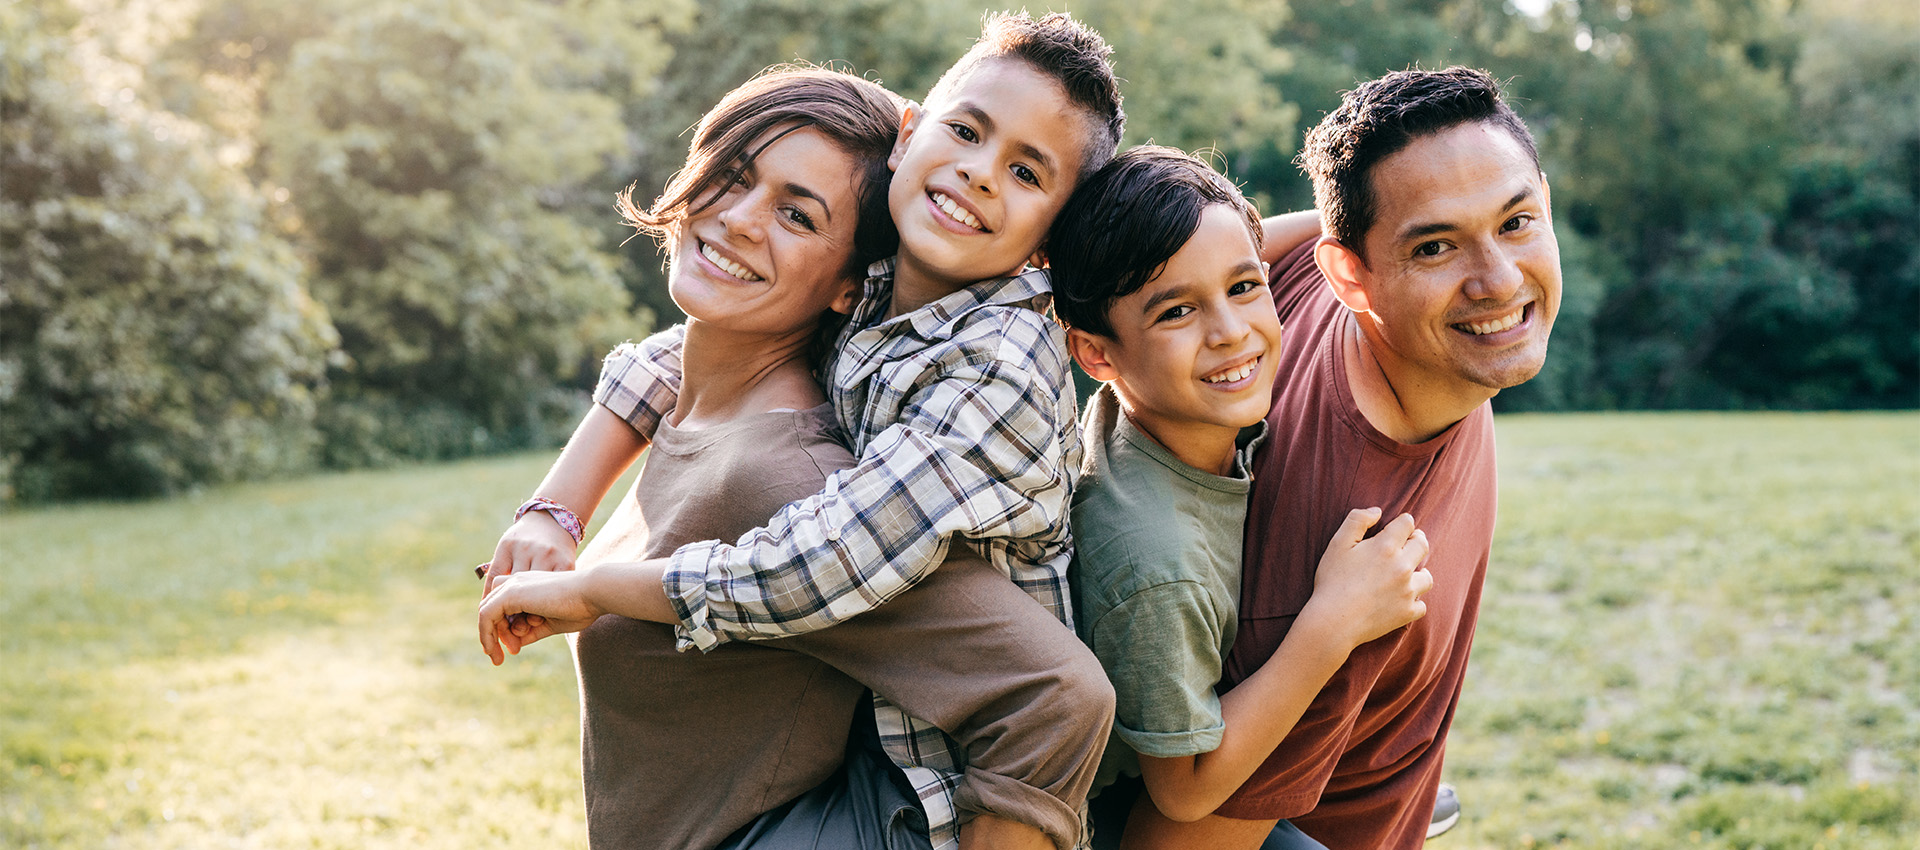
x: 1372, y: 586
x: 554, y: 602
x: 533, y: 543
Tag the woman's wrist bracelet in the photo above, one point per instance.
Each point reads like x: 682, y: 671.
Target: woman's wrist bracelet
x: 566, y: 518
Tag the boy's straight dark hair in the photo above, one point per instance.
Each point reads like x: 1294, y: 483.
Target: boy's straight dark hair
x: 1066, y: 50
x: 1122, y: 226
x: 1378, y: 119
x: 858, y: 115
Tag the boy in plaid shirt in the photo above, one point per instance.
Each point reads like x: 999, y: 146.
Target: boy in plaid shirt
x: 953, y: 389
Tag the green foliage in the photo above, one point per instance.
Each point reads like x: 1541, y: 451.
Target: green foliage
x: 153, y: 328
x: 427, y: 150
x: 238, y: 237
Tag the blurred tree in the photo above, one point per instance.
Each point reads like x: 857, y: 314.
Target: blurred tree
x: 431, y: 152
x: 443, y: 165
x: 153, y: 329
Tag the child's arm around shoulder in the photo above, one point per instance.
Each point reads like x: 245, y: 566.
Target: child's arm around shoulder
x: 639, y: 383
x: 984, y: 447
x: 1363, y: 589
x: 1282, y: 233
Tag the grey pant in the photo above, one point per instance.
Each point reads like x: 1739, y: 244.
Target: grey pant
x: 682, y: 750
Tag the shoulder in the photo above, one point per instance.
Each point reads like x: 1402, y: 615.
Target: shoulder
x: 1020, y: 338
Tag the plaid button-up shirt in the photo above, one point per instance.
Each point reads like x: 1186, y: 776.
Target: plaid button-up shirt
x: 962, y: 415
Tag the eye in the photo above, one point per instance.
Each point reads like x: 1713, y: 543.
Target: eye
x: 800, y: 217
x: 1429, y: 249
x: 1026, y: 175
x: 1245, y: 287
x: 965, y: 132
x: 1173, y: 313
x: 1518, y: 222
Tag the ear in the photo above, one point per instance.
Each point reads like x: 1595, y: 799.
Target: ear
x: 909, y: 121
x: 1346, y: 273
x: 1546, y: 196
x: 849, y: 296
x: 1090, y: 351
x: 1039, y: 258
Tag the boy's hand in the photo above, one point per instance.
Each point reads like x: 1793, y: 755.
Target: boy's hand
x: 533, y: 543
x: 1371, y: 586
x: 554, y: 602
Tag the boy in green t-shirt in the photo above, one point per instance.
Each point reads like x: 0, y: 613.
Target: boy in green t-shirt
x: 1157, y: 275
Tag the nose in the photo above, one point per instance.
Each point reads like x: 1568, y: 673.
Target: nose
x: 1226, y: 328
x: 976, y: 173
x: 1496, y: 276
x: 744, y: 215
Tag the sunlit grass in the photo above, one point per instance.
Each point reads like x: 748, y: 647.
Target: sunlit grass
x: 1699, y: 631
x: 280, y: 665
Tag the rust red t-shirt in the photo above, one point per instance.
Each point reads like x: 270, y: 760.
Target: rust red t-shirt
x: 1359, y: 770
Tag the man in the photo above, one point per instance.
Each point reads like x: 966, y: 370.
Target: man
x: 1434, y: 287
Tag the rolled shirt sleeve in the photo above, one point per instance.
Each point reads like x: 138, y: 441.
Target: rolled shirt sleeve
x: 640, y: 381
x: 975, y: 453
x: 1161, y: 648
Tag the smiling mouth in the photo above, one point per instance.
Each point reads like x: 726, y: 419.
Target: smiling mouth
x: 1233, y: 373
x: 726, y: 265
x: 958, y: 213
x: 1494, y: 325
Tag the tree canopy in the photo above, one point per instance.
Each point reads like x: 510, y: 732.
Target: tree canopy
x: 245, y: 236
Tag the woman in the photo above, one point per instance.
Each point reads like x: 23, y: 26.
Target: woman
x: 770, y: 226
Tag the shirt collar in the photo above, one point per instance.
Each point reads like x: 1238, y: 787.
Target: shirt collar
x: 1030, y: 289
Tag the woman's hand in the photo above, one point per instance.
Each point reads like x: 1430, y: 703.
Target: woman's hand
x: 554, y: 602
x: 1372, y: 585
x: 535, y: 542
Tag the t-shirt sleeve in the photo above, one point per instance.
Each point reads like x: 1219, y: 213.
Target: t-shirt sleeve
x: 1295, y: 280
x: 1161, y: 648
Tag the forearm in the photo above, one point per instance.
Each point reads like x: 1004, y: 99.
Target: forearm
x: 1283, y: 233
x: 630, y: 589
x: 598, y: 453
x: 1258, y: 713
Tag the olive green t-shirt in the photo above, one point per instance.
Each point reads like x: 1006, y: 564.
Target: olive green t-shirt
x: 1156, y: 582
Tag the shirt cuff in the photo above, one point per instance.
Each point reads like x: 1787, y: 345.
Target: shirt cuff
x: 685, y: 581
x: 1166, y: 745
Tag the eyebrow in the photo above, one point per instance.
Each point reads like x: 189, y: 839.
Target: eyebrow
x: 1038, y: 156
x: 804, y: 192
x: 1431, y: 228
x: 1174, y: 292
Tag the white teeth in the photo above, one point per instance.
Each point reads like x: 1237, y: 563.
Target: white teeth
x: 726, y: 265
x: 958, y: 212
x: 1494, y: 325
x: 1235, y: 375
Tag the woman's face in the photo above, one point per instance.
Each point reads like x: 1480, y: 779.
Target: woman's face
x: 770, y: 254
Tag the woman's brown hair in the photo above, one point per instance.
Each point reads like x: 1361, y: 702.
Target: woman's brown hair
x: 860, y: 116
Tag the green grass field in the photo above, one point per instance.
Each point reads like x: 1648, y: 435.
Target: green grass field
x: 1699, y: 631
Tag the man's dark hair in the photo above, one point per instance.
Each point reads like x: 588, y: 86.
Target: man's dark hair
x: 1066, y: 50
x: 1383, y: 116
x: 1122, y: 226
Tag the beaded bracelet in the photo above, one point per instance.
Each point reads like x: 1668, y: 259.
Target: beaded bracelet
x: 566, y: 518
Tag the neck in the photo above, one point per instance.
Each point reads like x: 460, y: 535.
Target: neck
x: 1208, y: 448
x: 1407, y: 403
x: 727, y: 375
x: 914, y: 286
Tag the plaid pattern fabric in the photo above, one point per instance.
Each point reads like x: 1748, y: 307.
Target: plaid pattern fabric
x: 962, y: 416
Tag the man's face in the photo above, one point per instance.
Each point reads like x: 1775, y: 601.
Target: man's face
x: 1462, y: 269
